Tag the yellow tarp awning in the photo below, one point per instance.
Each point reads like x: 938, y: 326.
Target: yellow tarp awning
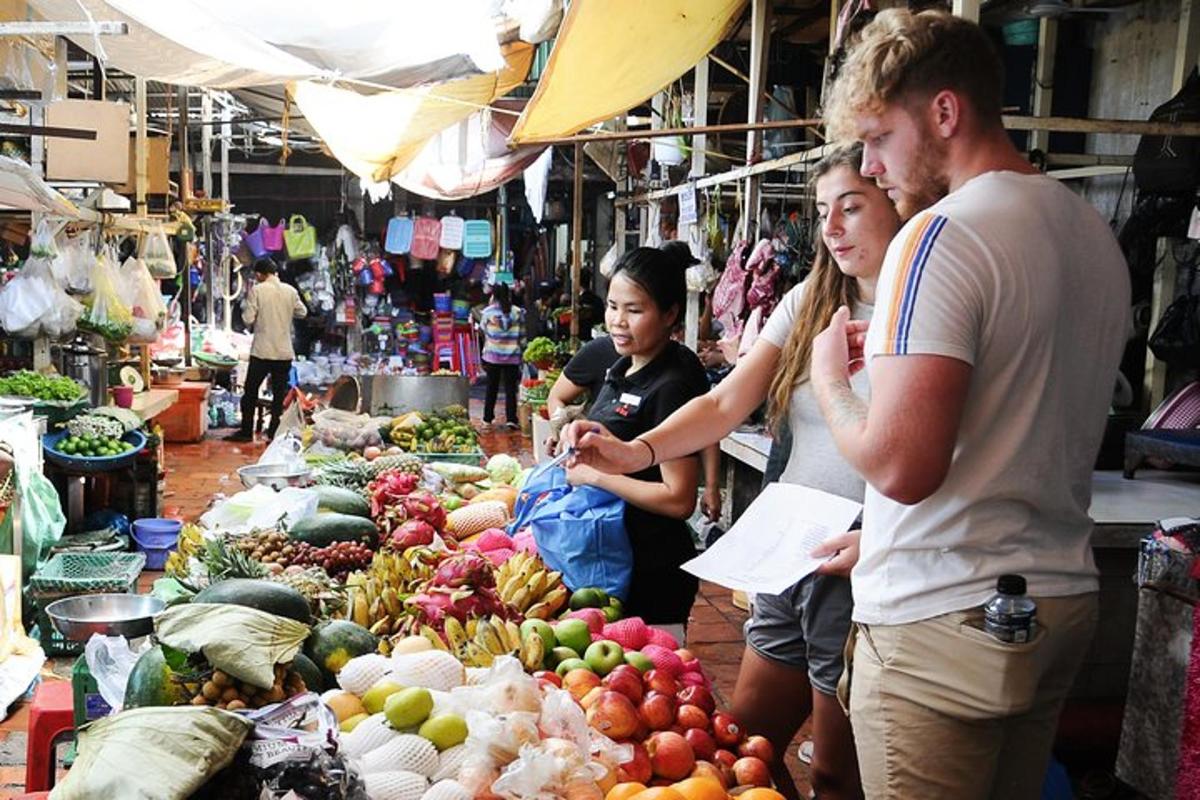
x: 376, y: 136
x: 611, y: 55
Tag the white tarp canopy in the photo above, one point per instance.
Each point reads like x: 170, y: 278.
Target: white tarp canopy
x: 234, y: 43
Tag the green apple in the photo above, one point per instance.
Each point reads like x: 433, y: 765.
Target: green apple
x: 588, y: 597
x: 541, y: 628
x: 351, y: 723
x: 571, y: 663
x: 611, y: 613
x: 573, y: 633
x: 374, y: 698
x: 444, y: 730
x: 636, y: 659
x: 603, y: 655
x: 408, y: 708
x: 557, y: 656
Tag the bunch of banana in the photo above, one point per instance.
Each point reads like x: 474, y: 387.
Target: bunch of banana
x: 191, y: 543
x: 525, y: 583
x: 375, y: 598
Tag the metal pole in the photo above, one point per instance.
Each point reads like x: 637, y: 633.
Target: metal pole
x: 226, y: 137
x: 206, y: 109
x: 576, y: 244
x: 142, y: 178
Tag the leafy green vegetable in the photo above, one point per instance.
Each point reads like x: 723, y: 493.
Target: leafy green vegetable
x: 540, y: 349
x: 26, y: 383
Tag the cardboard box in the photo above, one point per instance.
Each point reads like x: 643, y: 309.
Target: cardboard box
x: 106, y: 158
x: 158, y: 162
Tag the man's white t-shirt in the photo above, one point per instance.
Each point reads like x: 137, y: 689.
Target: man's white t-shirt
x: 1020, y: 278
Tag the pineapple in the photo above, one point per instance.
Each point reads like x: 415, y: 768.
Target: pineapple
x: 405, y: 463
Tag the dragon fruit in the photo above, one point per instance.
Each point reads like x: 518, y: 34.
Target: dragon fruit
x: 499, y: 556
x: 424, y: 505
x: 464, y: 569
x: 594, y: 618
x: 434, y: 605
x: 389, y: 489
x: 412, y: 533
x: 493, y: 539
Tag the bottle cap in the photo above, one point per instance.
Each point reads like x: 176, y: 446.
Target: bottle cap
x: 1011, y: 584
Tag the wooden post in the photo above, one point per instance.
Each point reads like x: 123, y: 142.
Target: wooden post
x: 60, y: 67
x: 760, y: 38
x: 226, y: 137
x: 185, y: 161
x: 699, y: 116
x: 206, y: 126
x: 967, y: 9
x: 141, y: 179
x: 576, y: 243
x: 1043, y: 80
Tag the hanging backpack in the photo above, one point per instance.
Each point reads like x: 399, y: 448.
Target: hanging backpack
x: 427, y: 233
x: 398, y: 240
x: 300, y: 238
x: 477, y: 238
x: 272, y: 237
x: 452, y: 233
x: 1176, y: 339
x: 1171, y: 164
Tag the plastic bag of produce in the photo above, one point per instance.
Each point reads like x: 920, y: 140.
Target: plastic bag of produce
x: 152, y: 753
x: 346, y: 430
x: 110, y: 660
x: 106, y: 314
x: 144, y: 298
x: 261, y: 507
x: 41, y: 514
x: 156, y: 253
x: 35, y: 304
x: 244, y: 642
x: 79, y: 261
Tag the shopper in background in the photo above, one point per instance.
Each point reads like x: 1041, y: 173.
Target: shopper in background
x: 794, y: 660
x: 503, y: 336
x: 1000, y: 321
x: 269, y: 307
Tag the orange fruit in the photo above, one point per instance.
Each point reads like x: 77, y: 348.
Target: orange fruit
x: 624, y: 791
x: 659, y: 793
x: 759, y: 793
x: 700, y: 789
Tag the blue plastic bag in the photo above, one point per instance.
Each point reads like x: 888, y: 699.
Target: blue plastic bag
x: 579, y: 531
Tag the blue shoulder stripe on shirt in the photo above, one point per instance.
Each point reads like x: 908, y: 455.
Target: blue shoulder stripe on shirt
x: 913, y: 284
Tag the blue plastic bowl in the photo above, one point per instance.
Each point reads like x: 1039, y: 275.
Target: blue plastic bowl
x: 156, y: 538
x: 95, y: 464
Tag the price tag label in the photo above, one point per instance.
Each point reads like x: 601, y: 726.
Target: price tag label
x: 687, y: 205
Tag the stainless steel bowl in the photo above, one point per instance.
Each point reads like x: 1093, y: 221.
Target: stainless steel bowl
x: 128, y: 615
x: 274, y: 475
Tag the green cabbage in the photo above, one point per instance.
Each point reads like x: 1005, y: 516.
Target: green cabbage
x: 503, y: 468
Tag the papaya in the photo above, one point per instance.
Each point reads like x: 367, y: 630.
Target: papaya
x: 273, y: 598
x: 334, y: 642
x: 342, y: 501
x: 322, y: 530
x: 154, y: 682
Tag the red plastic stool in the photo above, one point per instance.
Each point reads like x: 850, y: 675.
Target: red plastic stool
x: 51, y: 715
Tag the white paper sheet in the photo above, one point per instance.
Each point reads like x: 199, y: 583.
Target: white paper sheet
x: 767, y: 549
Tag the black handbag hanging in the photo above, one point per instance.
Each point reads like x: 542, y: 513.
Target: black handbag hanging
x: 1176, y: 339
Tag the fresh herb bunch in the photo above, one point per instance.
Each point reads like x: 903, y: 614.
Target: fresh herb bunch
x: 27, y: 383
x: 96, y: 426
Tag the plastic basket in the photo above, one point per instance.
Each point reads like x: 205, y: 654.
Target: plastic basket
x: 91, y: 464
x: 71, y: 574
x: 156, y: 538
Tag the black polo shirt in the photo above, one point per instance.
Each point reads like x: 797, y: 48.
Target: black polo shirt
x: 589, y: 366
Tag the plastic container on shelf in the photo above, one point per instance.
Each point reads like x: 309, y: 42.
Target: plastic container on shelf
x: 156, y: 537
x: 442, y: 302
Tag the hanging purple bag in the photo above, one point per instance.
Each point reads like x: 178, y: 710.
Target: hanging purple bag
x: 272, y: 237
x: 254, y: 241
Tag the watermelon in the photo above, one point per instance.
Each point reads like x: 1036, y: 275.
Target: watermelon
x: 269, y: 596
x: 322, y: 530
x: 334, y: 642
x: 155, y: 682
x: 314, y: 681
x: 342, y: 501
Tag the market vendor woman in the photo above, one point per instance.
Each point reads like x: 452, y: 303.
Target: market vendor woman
x: 653, y: 377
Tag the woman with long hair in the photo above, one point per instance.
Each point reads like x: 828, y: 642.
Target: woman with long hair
x: 503, y: 330
x: 794, y: 659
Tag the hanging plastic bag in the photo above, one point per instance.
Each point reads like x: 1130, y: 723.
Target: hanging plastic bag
x: 156, y: 253
x: 144, y: 297
x: 106, y: 314
x: 300, y: 238
x: 175, y: 750
x: 30, y: 303
x: 80, y: 261
x: 41, y: 515
x: 261, y: 507
x: 272, y: 236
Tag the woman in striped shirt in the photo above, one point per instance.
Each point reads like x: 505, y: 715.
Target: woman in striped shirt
x: 503, y: 334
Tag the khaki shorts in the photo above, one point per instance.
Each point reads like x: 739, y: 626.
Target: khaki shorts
x: 941, y: 709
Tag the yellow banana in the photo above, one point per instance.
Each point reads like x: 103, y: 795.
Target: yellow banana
x: 556, y: 598
x: 362, y: 611
x: 456, y: 634
x: 553, y: 579
x: 512, y: 634
x: 472, y: 627
x: 489, y: 638
x: 533, y: 652
x: 391, y: 600
x: 478, y: 656
x: 538, y: 611
x: 381, y: 627
x: 434, y: 639
x: 537, y: 584
x: 521, y: 599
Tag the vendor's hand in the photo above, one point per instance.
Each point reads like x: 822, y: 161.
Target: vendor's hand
x: 710, y: 502
x: 583, y: 475
x: 551, y: 446
x: 597, y: 447
x: 837, y: 351
x: 843, y: 548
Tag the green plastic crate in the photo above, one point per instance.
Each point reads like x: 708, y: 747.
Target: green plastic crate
x: 71, y: 574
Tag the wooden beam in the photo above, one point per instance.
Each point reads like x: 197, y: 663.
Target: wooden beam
x: 760, y: 41
x: 63, y: 28
x: 140, y: 147
x: 576, y: 243
x: 1123, y: 126
x: 1076, y: 173
x: 699, y: 117
x: 1087, y: 160
x: 967, y: 9
x: 1043, y: 80
x: 47, y: 130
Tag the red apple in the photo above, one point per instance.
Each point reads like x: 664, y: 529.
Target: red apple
x: 613, y: 715
x: 657, y: 710
x: 693, y: 679
x: 659, y: 681
x: 692, y: 666
x: 724, y: 757
x: 638, y: 768
x: 751, y: 771
x: 759, y: 747
x: 547, y: 676
x: 697, y: 696
x: 702, y: 743
x: 589, y: 699
x: 628, y: 669
x: 626, y: 684
x: 685, y: 655
x: 690, y: 716
x: 580, y: 681
x: 643, y: 731
x: 671, y: 756
x: 726, y: 730
x: 727, y: 774
x: 705, y: 769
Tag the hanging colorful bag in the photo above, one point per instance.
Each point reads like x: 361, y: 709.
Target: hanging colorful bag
x: 427, y: 232
x: 452, y: 232
x: 254, y: 241
x: 272, y: 237
x: 398, y: 240
x: 477, y: 238
x: 300, y: 238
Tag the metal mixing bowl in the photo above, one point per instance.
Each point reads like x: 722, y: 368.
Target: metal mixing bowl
x: 128, y: 615
x: 276, y: 476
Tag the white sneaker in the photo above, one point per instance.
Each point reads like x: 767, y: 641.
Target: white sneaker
x: 805, y: 752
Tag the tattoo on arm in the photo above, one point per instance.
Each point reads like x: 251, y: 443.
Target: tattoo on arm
x: 846, y: 409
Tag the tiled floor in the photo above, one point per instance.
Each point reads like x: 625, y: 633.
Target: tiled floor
x: 197, y: 472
